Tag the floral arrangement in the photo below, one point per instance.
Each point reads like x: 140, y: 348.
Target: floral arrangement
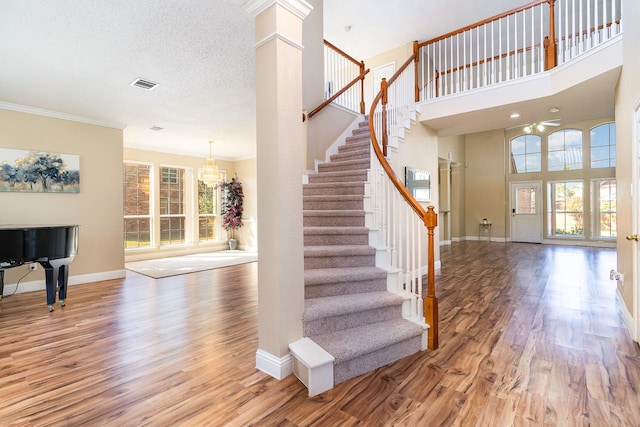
x: 231, y: 209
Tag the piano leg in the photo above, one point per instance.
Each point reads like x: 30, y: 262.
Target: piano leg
x: 1, y: 283
x: 63, y: 278
x: 50, y: 277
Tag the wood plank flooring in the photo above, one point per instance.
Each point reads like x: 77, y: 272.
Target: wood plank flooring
x: 531, y: 335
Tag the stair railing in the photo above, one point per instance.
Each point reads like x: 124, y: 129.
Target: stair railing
x: 397, y: 215
x: 518, y: 43
x: 341, y: 75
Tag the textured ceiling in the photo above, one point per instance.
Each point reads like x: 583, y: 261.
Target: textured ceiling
x: 79, y: 57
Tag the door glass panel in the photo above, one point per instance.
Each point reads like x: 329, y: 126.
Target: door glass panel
x: 525, y: 200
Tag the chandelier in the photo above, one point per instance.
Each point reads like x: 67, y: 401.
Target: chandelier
x: 210, y: 173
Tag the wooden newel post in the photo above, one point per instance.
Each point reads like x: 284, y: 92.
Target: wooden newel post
x: 431, y: 301
x: 416, y: 59
x: 550, y: 45
x: 383, y: 88
x: 362, y: 87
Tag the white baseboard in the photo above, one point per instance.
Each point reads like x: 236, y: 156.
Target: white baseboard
x: 39, y: 285
x: 278, y: 367
x: 627, y: 317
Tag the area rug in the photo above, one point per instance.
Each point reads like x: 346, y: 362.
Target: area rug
x: 165, y: 267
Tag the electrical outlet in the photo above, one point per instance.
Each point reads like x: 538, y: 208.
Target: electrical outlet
x: 33, y: 266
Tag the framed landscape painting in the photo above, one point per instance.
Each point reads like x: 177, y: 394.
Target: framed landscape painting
x: 39, y: 171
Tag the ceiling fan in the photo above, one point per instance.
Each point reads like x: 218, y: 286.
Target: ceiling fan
x: 539, y: 126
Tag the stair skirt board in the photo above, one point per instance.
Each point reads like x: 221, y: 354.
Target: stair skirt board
x: 352, y: 324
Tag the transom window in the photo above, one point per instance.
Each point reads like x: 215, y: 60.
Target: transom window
x: 603, y: 146
x: 565, y: 150
x: 526, y: 154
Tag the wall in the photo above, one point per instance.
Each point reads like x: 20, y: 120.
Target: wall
x: 247, y: 235
x: 452, y: 151
x: 627, y: 97
x: 98, y: 206
x: 397, y: 56
x: 485, y: 194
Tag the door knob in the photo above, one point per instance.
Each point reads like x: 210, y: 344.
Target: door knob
x: 632, y: 237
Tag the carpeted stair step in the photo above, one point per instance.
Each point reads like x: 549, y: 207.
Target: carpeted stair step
x: 345, y: 165
x: 336, y: 313
x: 333, y: 202
x: 365, y: 348
x: 339, y: 256
x: 331, y: 218
x: 324, y: 236
x: 333, y: 188
x: 350, y: 155
x: 326, y: 282
x: 358, y: 144
x: 339, y: 176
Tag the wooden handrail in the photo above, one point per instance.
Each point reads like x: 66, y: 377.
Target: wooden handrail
x: 428, y: 217
x: 521, y: 50
x: 484, y: 21
x: 341, y: 52
x: 337, y: 94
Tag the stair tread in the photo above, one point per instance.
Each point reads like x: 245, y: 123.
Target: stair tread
x: 335, y: 250
x: 332, y: 197
x: 348, y: 344
x: 338, y: 305
x: 333, y: 184
x: 335, y: 230
x: 338, y: 173
x: 322, y: 275
x: 333, y: 212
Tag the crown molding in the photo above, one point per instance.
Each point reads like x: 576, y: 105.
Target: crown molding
x: 58, y: 115
x: 300, y: 8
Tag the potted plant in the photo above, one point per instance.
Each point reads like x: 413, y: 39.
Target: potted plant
x: 231, y: 209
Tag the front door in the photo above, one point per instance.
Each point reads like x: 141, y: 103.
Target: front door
x: 526, y: 212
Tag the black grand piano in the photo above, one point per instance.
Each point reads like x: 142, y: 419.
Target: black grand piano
x: 52, y: 246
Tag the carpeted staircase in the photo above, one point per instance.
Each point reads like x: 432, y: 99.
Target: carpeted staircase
x: 348, y: 310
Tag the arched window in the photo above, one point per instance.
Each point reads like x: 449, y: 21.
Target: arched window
x: 603, y: 146
x: 526, y: 154
x: 565, y: 150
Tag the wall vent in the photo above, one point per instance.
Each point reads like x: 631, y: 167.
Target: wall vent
x: 144, y: 84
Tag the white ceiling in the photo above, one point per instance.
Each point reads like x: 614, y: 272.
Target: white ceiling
x: 79, y: 57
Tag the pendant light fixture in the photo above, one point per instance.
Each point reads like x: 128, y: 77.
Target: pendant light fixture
x: 210, y: 173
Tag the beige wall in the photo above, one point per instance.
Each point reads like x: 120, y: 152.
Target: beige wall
x: 627, y: 97
x: 98, y: 206
x: 397, y: 56
x: 485, y: 182
x: 451, y: 150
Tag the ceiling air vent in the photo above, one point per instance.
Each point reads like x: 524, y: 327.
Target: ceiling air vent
x: 156, y: 128
x: 144, y: 84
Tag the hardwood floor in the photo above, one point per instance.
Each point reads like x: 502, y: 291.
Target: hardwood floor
x: 530, y: 335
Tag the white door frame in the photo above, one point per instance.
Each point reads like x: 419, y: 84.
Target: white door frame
x: 539, y: 205
x: 635, y: 191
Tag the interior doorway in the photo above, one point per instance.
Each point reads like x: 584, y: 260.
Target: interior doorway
x: 526, y: 211
x: 636, y: 220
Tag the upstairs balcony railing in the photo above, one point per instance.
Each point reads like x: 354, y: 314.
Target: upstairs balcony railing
x: 342, y: 73
x: 514, y: 44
